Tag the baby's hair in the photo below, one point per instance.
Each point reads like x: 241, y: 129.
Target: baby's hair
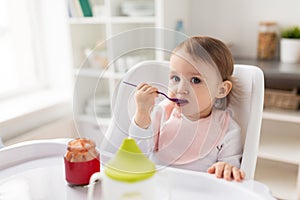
x: 209, y: 49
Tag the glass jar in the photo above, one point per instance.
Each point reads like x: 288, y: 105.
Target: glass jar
x: 267, y: 40
x: 81, y: 161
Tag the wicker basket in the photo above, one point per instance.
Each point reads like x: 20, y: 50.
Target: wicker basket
x: 281, y: 99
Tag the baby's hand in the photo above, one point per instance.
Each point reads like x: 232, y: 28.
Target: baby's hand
x: 145, y: 99
x: 145, y: 96
x: 226, y: 171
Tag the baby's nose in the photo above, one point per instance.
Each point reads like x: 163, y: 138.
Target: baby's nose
x: 183, y: 87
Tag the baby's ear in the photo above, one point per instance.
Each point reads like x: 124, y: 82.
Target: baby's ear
x: 224, y: 89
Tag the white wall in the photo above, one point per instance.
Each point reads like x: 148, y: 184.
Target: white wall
x: 175, y: 10
x: 237, y: 21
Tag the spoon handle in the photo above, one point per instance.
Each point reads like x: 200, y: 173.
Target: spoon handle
x: 178, y: 101
x: 158, y: 92
x: 130, y: 84
x: 134, y: 85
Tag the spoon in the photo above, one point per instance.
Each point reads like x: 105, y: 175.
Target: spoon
x: 178, y: 101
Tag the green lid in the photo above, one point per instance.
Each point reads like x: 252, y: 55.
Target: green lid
x: 129, y: 164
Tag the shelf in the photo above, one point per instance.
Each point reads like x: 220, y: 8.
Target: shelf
x: 114, y: 20
x: 282, y: 115
x: 273, y: 67
x: 284, y: 149
x: 132, y: 20
x: 280, y: 141
x: 97, y: 73
x: 281, y: 178
x: 91, y: 119
x: 87, y: 20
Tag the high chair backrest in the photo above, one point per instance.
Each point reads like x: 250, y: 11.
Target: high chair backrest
x: 247, y: 111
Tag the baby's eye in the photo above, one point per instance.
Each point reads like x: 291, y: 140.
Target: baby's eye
x: 175, y: 78
x: 195, y: 80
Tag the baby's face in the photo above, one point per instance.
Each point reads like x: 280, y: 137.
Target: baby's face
x: 196, y: 82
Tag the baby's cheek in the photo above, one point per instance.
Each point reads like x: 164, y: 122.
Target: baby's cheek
x: 172, y: 90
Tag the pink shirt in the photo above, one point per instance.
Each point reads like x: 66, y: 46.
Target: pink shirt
x: 173, y: 139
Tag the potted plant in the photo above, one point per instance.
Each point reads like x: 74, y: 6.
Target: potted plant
x: 290, y: 45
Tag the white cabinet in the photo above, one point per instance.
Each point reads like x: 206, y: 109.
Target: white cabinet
x: 278, y: 163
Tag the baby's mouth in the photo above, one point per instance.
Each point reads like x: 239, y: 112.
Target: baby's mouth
x: 182, y: 102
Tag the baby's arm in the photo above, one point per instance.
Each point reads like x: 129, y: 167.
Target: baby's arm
x: 145, y: 99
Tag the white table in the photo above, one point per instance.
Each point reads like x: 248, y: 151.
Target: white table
x: 35, y: 170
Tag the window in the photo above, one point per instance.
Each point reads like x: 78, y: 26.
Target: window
x: 35, y: 65
x: 19, y: 49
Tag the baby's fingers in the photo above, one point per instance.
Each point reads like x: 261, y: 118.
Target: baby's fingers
x: 151, y: 90
x: 211, y: 169
x: 227, y: 172
x: 142, y: 85
x: 238, y: 175
x: 146, y: 88
x: 217, y: 169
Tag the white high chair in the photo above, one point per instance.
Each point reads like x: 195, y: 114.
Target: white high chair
x: 247, y: 113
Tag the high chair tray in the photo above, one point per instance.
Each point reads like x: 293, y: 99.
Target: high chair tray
x: 186, y: 184
x: 35, y: 170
